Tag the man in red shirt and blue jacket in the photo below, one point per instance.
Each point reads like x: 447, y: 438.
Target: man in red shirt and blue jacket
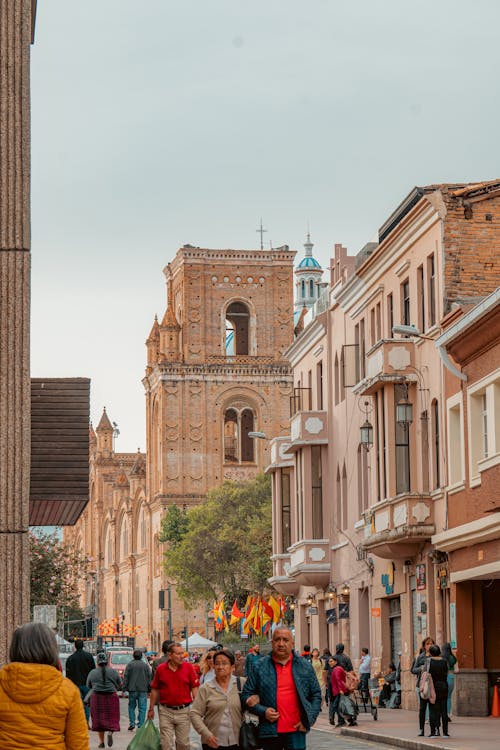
x: 288, y: 692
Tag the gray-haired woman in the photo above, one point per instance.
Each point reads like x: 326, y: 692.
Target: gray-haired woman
x: 104, y: 702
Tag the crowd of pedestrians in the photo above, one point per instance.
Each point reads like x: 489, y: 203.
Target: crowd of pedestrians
x: 284, y: 691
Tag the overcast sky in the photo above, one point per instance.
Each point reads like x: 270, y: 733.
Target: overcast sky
x: 163, y: 122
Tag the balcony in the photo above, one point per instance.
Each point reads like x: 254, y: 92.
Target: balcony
x: 280, y: 579
x: 310, y: 562
x: 389, y: 360
x: 308, y: 428
x: 397, y: 528
x: 280, y: 457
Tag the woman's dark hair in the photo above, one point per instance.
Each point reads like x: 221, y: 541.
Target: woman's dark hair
x: 34, y: 643
x: 435, y: 650
x: 446, y: 651
x: 224, y: 652
x: 427, y: 638
x: 392, y: 666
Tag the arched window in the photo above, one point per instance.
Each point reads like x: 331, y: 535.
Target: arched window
x: 238, y: 323
x: 144, y: 529
x: 231, y: 447
x: 124, y: 540
x: 109, y: 547
x: 311, y: 288
x: 238, y: 446
x: 246, y: 442
x: 303, y: 289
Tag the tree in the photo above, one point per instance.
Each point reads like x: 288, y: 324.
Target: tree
x: 173, y: 526
x: 57, y: 571
x: 226, y: 545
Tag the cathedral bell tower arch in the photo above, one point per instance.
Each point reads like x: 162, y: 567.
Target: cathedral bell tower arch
x: 239, y: 327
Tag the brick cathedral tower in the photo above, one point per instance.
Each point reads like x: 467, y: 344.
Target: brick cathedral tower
x: 215, y: 370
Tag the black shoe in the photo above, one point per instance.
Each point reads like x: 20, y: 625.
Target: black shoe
x: 131, y: 728
x: 101, y: 745
x: 110, y: 739
x: 421, y: 734
x: 445, y: 734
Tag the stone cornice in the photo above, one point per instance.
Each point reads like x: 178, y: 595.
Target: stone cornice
x: 481, y: 530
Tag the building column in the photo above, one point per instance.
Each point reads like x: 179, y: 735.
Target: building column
x: 15, y: 416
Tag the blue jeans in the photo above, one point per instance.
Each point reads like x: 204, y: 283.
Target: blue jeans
x: 83, y: 692
x: 451, y: 684
x: 139, y: 699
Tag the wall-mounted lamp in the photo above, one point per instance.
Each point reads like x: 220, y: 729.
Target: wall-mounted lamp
x: 331, y: 592
x: 346, y: 590
x: 404, y: 410
x: 292, y: 605
x: 310, y: 599
x: 366, y: 429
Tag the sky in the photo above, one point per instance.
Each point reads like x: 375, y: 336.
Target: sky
x: 166, y: 122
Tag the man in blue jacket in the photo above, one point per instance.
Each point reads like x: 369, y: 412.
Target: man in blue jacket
x: 288, y: 692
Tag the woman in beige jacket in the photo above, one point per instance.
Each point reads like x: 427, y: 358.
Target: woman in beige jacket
x: 216, y: 711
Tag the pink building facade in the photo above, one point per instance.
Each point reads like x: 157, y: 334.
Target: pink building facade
x: 360, y: 486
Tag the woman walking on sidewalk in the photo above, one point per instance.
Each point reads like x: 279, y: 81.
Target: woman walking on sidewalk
x: 104, y: 702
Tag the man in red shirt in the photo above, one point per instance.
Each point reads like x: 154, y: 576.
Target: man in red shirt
x: 173, y: 688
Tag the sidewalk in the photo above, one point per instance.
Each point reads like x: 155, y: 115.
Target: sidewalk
x: 400, y: 728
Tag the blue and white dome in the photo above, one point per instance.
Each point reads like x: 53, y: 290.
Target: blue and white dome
x: 308, y: 274
x: 308, y: 262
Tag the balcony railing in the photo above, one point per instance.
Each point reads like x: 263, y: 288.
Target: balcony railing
x: 280, y: 579
x: 396, y: 528
x: 310, y: 562
x: 309, y: 428
x: 388, y: 360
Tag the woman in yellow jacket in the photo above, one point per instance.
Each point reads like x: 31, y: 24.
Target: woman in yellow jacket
x: 39, y: 708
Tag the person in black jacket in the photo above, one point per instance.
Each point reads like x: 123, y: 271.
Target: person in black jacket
x: 78, y: 666
x: 438, y: 711
x: 342, y: 659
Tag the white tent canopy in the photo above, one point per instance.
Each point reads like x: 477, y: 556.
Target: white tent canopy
x: 197, y: 641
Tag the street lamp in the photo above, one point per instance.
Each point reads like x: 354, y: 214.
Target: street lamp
x: 366, y: 429
x: 404, y: 410
x: 257, y: 435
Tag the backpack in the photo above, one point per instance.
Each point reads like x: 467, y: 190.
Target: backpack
x: 351, y: 681
x: 426, y: 685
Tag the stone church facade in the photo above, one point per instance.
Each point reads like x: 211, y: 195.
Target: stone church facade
x: 215, y: 373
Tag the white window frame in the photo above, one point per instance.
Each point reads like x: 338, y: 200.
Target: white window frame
x: 489, y: 387
x: 454, y: 404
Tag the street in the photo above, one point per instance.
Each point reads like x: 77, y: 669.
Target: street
x: 317, y: 739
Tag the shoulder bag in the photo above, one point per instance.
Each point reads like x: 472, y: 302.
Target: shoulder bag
x: 249, y: 730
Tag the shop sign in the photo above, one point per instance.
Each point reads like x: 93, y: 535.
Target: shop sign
x: 442, y: 578
x: 344, y: 611
x: 375, y: 611
x: 312, y: 611
x: 420, y: 575
x: 331, y: 616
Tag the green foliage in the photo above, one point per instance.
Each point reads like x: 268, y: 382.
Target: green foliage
x: 226, y: 546
x: 230, y: 638
x: 174, y: 525
x: 57, y: 571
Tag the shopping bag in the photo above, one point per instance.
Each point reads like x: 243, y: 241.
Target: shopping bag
x: 346, y: 707
x: 146, y: 738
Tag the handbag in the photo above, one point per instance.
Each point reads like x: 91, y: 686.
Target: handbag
x: 249, y: 730
x: 426, y: 685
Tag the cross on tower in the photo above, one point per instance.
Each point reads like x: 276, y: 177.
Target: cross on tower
x: 261, y: 231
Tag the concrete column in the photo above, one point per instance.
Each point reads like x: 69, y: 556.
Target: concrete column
x: 15, y: 419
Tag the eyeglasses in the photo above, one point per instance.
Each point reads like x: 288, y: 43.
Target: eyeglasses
x: 209, y: 658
